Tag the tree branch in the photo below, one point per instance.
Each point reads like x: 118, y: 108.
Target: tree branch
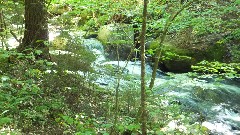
x: 15, y: 36
x: 162, y: 38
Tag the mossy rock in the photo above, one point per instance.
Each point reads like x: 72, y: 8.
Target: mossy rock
x: 173, y: 59
x: 123, y: 51
x: 185, y: 54
x: 215, y: 52
x: 168, y: 47
x: 178, y: 66
x: 115, y: 36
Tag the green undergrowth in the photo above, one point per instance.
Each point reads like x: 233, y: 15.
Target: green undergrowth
x: 39, y: 97
x: 53, y: 97
x: 34, y: 93
x: 227, y: 69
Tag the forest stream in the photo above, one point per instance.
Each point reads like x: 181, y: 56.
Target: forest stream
x: 215, y: 102
x: 120, y: 67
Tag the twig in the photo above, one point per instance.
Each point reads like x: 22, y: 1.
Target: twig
x: 15, y: 36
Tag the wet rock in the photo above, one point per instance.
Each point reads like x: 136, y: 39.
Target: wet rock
x: 91, y: 35
x: 102, y: 83
x: 178, y: 65
x: 184, y: 49
x: 176, y: 102
x: 234, y: 128
x: 117, y: 36
x: 235, y: 111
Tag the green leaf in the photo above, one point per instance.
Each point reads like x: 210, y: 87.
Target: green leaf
x: 68, y: 119
x: 38, y: 52
x: 4, y: 78
x: 38, y: 41
x: 133, y: 126
x: 5, y: 120
x: 5, y: 55
x: 150, y: 51
x: 107, y: 125
x: 120, y: 128
x: 237, y: 1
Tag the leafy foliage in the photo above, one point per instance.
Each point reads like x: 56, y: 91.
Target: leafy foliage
x: 59, y: 96
x: 231, y: 69
x: 26, y: 85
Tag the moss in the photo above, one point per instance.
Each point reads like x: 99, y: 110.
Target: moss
x: 235, y: 52
x: 216, y: 52
x: 168, y: 47
x: 175, y: 59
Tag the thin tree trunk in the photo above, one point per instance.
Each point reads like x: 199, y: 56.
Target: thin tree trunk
x: 162, y: 38
x: 36, y: 30
x: 1, y: 21
x: 117, y: 93
x: 143, y: 90
x: 1, y: 26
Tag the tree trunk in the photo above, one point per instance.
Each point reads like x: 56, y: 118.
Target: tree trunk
x: 1, y: 22
x: 162, y: 38
x: 36, y: 30
x: 143, y: 90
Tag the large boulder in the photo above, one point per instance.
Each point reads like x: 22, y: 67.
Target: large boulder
x: 115, y: 36
x: 181, y: 51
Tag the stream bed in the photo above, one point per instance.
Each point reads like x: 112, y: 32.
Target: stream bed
x: 218, y: 101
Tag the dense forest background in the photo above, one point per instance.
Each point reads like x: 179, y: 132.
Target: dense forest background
x: 114, y: 67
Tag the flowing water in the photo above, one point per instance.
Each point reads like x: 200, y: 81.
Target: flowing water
x: 217, y: 101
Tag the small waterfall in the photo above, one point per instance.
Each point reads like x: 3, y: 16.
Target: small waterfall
x: 96, y: 47
x: 130, y: 67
